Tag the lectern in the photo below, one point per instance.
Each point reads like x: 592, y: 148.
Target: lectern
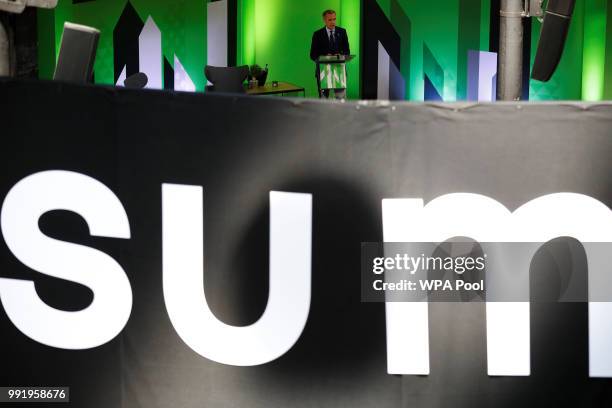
x: 332, y: 71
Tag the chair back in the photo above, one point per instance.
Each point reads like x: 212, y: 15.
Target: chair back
x: 227, y: 79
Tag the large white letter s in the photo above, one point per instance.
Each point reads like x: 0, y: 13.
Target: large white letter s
x: 110, y: 309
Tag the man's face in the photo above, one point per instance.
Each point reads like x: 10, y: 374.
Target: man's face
x: 330, y: 21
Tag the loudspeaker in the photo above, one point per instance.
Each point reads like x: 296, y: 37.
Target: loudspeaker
x: 77, y: 53
x: 557, y: 19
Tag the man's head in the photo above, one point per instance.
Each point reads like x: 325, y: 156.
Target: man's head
x: 329, y: 18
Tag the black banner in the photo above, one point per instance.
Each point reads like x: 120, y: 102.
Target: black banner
x: 349, y: 157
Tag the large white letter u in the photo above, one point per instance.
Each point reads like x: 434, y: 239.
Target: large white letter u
x: 288, y: 306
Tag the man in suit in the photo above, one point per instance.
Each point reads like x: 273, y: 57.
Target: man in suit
x: 330, y: 40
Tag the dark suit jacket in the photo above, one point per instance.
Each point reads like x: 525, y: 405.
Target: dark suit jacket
x: 320, y: 43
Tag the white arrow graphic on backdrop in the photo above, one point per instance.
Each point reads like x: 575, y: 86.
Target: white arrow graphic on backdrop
x: 150, y: 59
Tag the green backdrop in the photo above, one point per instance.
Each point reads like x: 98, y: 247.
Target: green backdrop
x: 277, y: 33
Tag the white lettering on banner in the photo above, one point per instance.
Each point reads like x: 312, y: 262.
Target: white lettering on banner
x: 486, y: 220
x: 288, y: 306
x: 110, y: 309
x: 404, y: 220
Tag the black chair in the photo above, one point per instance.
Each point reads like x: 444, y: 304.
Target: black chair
x: 227, y: 79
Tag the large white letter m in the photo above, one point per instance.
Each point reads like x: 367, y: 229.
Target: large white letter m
x: 486, y: 220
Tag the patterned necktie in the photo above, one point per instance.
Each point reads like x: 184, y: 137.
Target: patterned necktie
x: 332, y: 41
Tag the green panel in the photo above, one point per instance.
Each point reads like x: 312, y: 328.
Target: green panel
x: 608, y: 67
x: 46, y: 43
x: 246, y: 32
x: 283, y: 32
x: 385, y: 6
x: 566, y: 83
x: 594, y: 57
x: 469, y: 39
x: 485, y: 24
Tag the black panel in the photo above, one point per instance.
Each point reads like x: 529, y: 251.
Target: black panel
x: 494, y: 26
x: 376, y: 27
x: 527, y: 30
x: 232, y: 32
x: 168, y: 75
x: 125, y: 41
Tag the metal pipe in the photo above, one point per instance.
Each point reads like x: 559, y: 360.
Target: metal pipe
x: 5, y: 49
x: 510, y: 59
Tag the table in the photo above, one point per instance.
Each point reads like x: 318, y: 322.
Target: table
x: 282, y: 88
